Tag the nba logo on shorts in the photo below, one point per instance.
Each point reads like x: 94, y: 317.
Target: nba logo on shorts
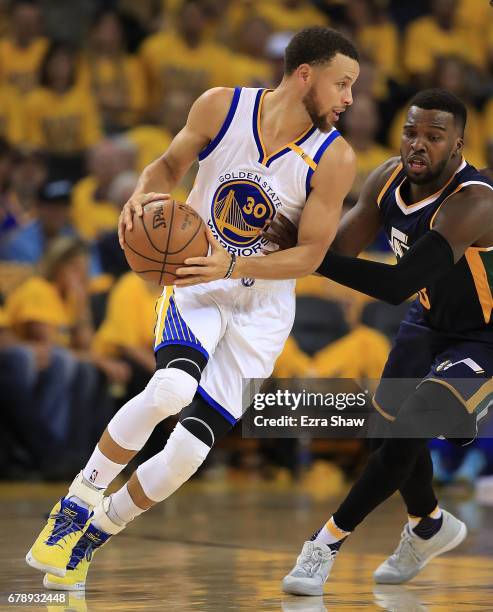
x: 248, y: 282
x: 240, y: 208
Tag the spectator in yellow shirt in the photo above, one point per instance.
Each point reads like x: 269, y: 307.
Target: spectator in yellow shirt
x: 115, y: 77
x: 10, y: 115
x: 436, y: 35
x: 290, y: 15
x: 251, y: 65
x: 61, y: 116
x: 92, y: 210
x: 377, y: 39
x: 53, y: 310
x: 126, y: 332
x: 183, y: 59
x: 22, y: 51
x: 361, y: 124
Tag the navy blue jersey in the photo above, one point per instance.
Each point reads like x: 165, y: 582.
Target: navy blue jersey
x: 460, y: 300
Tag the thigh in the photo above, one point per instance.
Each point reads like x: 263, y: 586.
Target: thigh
x: 257, y: 330
x: 409, y: 361
x: 190, y: 317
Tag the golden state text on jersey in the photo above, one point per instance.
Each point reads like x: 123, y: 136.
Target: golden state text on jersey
x: 240, y: 187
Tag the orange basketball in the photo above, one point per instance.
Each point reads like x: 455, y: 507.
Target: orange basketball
x: 161, y: 240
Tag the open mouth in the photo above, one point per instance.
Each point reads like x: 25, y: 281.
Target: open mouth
x: 417, y: 164
x: 336, y: 114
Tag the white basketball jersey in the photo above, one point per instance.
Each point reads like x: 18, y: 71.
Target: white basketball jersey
x: 239, y: 188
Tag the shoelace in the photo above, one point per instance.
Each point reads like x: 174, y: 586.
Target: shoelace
x: 84, y: 549
x: 64, y: 529
x: 405, y: 546
x: 311, y: 561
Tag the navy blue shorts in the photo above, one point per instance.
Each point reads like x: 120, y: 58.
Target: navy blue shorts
x: 462, y: 362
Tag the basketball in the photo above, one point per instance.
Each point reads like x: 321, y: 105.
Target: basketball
x: 162, y: 238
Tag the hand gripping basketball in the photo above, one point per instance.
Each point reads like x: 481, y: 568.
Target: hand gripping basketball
x: 162, y: 238
x: 135, y: 206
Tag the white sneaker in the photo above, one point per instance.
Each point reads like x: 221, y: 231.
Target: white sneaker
x: 413, y: 552
x: 311, y: 570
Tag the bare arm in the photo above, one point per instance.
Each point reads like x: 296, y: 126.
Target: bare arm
x: 331, y: 183
x: 163, y: 174
x: 318, y: 223
x: 360, y: 225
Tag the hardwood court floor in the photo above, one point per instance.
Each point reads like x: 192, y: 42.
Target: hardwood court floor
x: 218, y: 547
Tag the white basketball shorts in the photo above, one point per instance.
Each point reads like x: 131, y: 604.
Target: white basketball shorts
x: 240, y: 327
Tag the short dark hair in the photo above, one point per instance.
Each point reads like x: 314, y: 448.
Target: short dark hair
x: 316, y: 45
x: 441, y: 99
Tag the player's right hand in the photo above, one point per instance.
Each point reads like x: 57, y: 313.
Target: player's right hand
x: 136, y: 206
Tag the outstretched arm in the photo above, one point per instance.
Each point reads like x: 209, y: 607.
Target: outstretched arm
x: 429, y: 258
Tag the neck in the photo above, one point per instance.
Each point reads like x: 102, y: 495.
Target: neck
x: 420, y: 192
x: 284, y: 113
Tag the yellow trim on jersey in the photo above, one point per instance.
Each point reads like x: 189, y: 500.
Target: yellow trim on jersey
x: 161, y: 309
x: 481, y: 283
x: 265, y: 157
x: 459, y: 187
x: 379, y: 409
x: 304, y: 156
x: 384, y: 189
x: 473, y: 402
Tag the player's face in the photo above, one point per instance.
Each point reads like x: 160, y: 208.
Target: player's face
x: 430, y: 139
x: 330, y: 91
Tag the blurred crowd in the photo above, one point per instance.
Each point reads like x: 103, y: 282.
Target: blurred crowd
x: 90, y: 92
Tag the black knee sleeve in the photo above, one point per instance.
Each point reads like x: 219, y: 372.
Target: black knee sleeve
x: 205, y: 423
x: 183, y: 357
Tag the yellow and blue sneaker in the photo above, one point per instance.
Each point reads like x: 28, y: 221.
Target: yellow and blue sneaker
x: 78, y: 565
x: 52, y: 549
x: 66, y: 524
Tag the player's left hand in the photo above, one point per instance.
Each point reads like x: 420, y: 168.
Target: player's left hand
x: 205, y: 269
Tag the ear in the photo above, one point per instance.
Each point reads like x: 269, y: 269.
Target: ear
x: 304, y: 73
x: 459, y: 146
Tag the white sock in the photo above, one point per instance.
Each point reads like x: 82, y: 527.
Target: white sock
x: 330, y: 533
x: 101, y: 471
x: 122, y: 508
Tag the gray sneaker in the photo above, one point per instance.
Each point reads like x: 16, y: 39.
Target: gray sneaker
x: 311, y: 570
x: 413, y: 553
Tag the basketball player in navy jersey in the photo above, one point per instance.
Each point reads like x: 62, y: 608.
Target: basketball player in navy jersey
x: 437, y: 212
x: 259, y: 152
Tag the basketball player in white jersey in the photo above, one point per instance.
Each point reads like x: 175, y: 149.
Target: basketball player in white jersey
x: 260, y: 152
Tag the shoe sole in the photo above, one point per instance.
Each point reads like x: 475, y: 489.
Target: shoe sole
x: 449, y: 546
x: 43, y: 567
x: 295, y: 587
x: 55, y: 586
